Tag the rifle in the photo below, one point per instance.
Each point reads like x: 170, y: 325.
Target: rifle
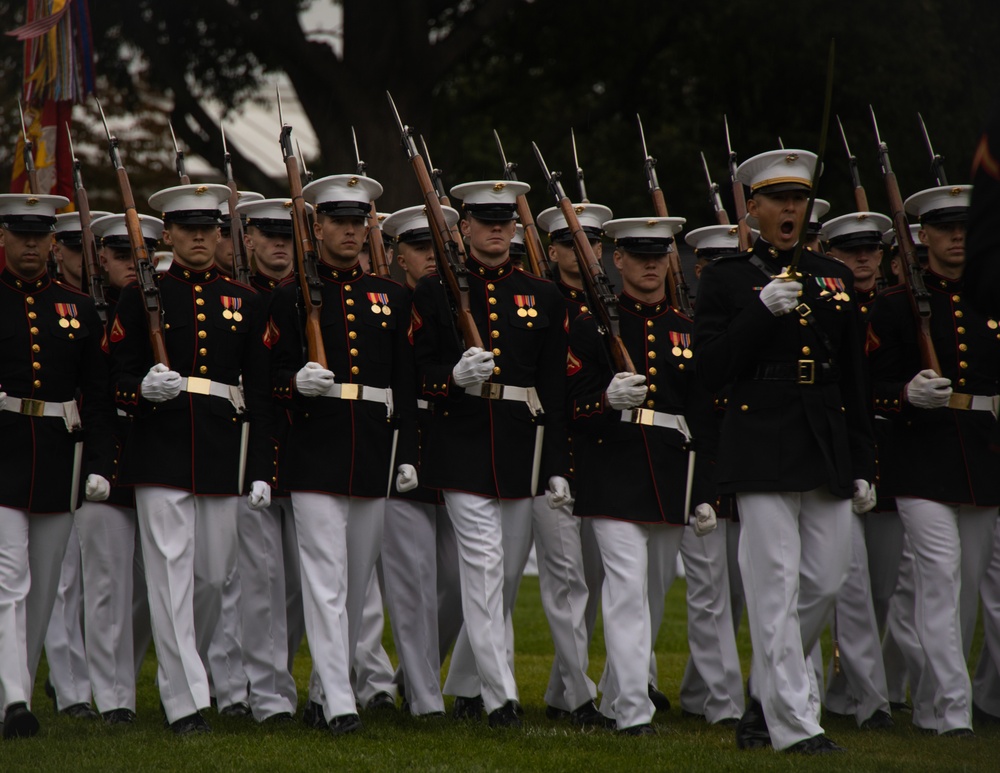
x: 306, y: 259
x: 94, y: 278
x: 449, y: 261
x: 721, y: 217
x: 680, y: 297
x: 435, y: 174
x: 579, y: 170
x: 601, y: 300
x: 537, y: 256
x: 241, y: 263
x: 739, y: 198
x: 179, y: 158
x: 144, y: 270
x: 860, y: 198
x: 913, y: 276
x: 937, y: 160
x: 376, y: 248
x: 51, y: 265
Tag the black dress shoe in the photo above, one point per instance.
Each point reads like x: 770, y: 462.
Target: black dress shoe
x: 646, y: 729
x: 344, y: 724
x: 691, y: 714
x: 587, y: 715
x: 818, y: 744
x: 313, y: 716
x: 556, y: 714
x: 119, y: 717
x: 281, y: 718
x: 727, y: 722
x: 80, y: 711
x: 19, y: 722
x: 381, y: 702
x: 468, y: 708
x: 898, y: 706
x: 192, y: 724
x: 880, y: 720
x: 751, y: 730
x: 660, y: 701
x: 958, y: 732
x: 239, y: 710
x: 505, y: 716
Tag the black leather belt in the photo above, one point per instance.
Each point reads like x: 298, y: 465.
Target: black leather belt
x: 801, y: 372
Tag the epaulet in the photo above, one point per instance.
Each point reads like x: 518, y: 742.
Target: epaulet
x: 70, y: 288
x: 240, y: 284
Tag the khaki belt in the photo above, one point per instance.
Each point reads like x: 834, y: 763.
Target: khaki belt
x: 650, y: 418
x: 361, y: 392
x: 964, y: 402
x: 203, y: 386
x: 27, y: 406
x: 493, y: 391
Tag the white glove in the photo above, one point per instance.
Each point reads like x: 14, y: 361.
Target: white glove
x: 474, y: 368
x: 780, y: 296
x: 406, y: 478
x: 704, y: 519
x: 313, y: 379
x: 161, y: 384
x: 558, y: 494
x: 928, y: 390
x: 864, y: 496
x: 3, y: 400
x: 97, y: 489
x: 626, y: 390
x: 260, y: 495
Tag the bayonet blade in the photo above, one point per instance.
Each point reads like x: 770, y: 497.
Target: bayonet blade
x: 781, y: 142
x: 69, y: 136
x: 927, y: 137
x: 105, y: 120
x: 729, y: 143
x: 277, y: 93
x: 427, y: 154
x: 642, y: 136
x: 361, y: 166
x: 399, y: 121
x: 843, y: 136
x: 173, y: 136
x: 878, y: 137
x: 24, y: 128
x: 541, y: 161
x: 222, y: 127
x: 503, y: 156
x: 579, y: 169
x: 704, y: 164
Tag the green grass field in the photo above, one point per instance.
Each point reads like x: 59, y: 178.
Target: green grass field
x: 396, y: 743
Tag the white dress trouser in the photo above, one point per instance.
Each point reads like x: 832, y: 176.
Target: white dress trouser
x: 713, y: 681
x: 986, y: 682
x: 109, y: 547
x: 339, y: 540
x: 64, y: 646
x: 628, y: 550
x: 31, y: 553
x: 794, y: 554
x: 859, y: 686
x: 415, y: 575
x: 494, y: 539
x: 373, y: 672
x: 223, y: 654
x: 563, y: 588
x: 951, y: 546
x: 263, y: 610
x: 189, y: 546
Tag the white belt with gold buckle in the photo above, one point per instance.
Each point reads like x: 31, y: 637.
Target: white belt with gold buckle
x: 27, y: 406
x: 203, y: 386
x: 493, y: 391
x: 650, y: 418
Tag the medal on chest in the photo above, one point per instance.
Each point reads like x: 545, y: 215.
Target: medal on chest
x: 231, y: 308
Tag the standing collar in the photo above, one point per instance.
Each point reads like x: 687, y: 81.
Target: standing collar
x: 476, y: 268
x: 25, y: 286
x: 192, y: 276
x: 341, y: 275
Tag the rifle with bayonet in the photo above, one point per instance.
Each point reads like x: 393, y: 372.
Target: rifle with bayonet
x: 538, y: 258
x: 450, y: 265
x: 435, y: 174
x: 95, y: 280
x: 937, y: 160
x: 144, y: 270
x: 241, y: 263
x: 376, y: 248
x: 51, y: 264
x: 579, y: 170
x: 680, y: 296
x: 721, y: 216
x: 912, y: 275
x: 179, y: 158
x: 600, y: 298
x: 739, y: 198
x: 860, y: 197
x: 306, y: 260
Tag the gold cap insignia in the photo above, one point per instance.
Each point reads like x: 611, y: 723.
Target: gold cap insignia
x: 32, y: 201
x: 353, y: 181
x: 579, y: 209
x: 863, y: 216
x: 201, y: 189
x: 791, y: 158
x: 651, y: 223
x: 499, y: 186
x: 955, y: 191
x: 287, y: 204
x: 734, y: 230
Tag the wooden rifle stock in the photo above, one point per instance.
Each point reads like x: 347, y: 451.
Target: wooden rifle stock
x: 912, y: 275
x: 241, y: 264
x: 435, y: 176
x: 739, y: 197
x: 305, y: 254
x: 376, y: 247
x: 680, y: 296
x: 447, y: 252
x: 537, y: 258
x: 601, y: 300
x: 95, y: 279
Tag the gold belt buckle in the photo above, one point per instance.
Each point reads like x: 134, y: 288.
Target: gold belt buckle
x: 960, y: 401
x: 350, y: 391
x: 199, y: 386
x: 492, y: 391
x: 807, y: 372
x: 643, y: 416
x: 30, y: 407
